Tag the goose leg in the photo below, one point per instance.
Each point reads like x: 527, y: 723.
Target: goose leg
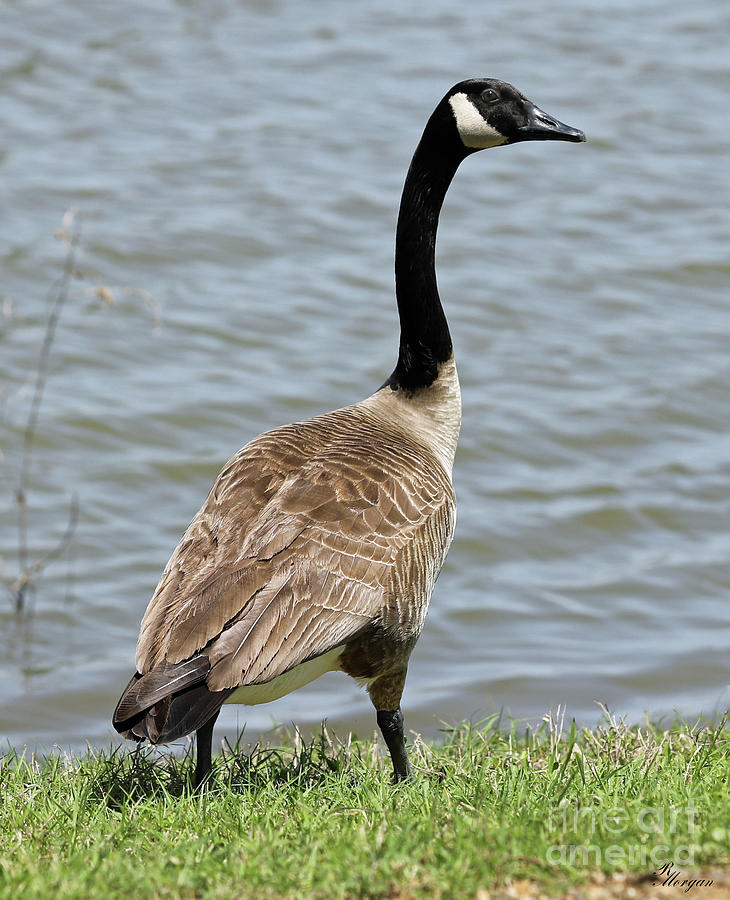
x: 390, y: 722
x: 385, y: 693
x: 204, y: 745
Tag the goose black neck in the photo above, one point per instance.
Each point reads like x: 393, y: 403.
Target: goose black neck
x: 424, y: 339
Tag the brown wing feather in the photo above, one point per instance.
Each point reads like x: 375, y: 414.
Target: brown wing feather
x: 304, y: 540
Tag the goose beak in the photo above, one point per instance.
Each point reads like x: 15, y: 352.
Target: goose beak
x: 542, y: 127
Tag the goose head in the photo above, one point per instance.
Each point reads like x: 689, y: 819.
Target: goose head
x: 488, y: 113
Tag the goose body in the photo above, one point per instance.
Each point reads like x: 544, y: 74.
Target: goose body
x: 320, y: 542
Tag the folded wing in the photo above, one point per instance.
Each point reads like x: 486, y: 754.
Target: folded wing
x: 305, y: 540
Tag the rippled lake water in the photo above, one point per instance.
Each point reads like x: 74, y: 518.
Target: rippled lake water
x: 236, y: 169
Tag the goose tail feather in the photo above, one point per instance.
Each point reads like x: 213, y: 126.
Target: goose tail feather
x: 167, y: 703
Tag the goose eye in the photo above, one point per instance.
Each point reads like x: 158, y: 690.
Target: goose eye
x: 489, y: 95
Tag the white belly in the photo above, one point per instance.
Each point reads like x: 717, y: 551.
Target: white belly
x: 252, y: 694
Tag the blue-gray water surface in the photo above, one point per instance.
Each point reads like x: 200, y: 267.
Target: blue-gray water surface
x: 235, y: 170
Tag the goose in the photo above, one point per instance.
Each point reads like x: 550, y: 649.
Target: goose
x: 319, y: 544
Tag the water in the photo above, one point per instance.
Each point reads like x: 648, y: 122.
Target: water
x: 237, y: 168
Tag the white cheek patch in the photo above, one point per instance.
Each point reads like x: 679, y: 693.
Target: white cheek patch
x: 475, y: 132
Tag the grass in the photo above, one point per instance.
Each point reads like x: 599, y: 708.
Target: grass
x: 491, y: 805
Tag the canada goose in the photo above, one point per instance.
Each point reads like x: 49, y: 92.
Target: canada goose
x: 320, y: 542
